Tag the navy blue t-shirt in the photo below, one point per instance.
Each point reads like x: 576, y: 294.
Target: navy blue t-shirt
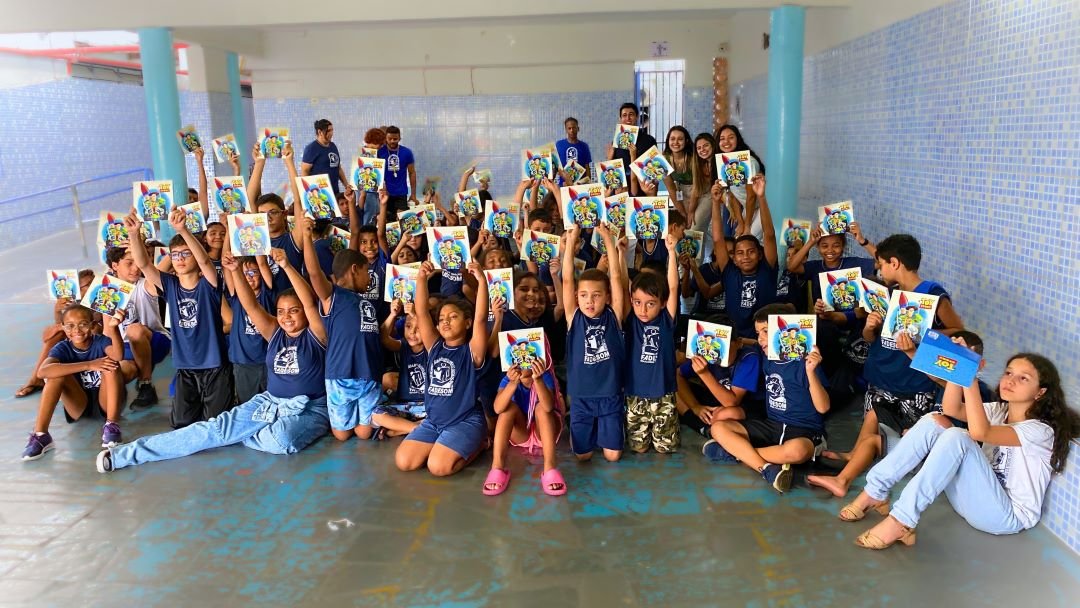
x: 295, y: 365
x: 451, y: 389
x: 412, y: 379
x: 744, y: 373
x: 889, y: 368
x: 812, y: 268
x: 353, y: 350
x: 547, y: 322
x: 197, y: 339
x: 522, y: 393
x: 747, y: 293
x: 650, y: 356
x: 246, y: 344
x: 326, y: 256
x: 292, y: 253
x: 374, y: 294
x: 787, y: 394
x: 578, y: 151
x: 596, y: 349
x: 324, y: 159
x: 659, y: 252
x: 711, y: 306
x: 397, y: 169
x: 65, y: 352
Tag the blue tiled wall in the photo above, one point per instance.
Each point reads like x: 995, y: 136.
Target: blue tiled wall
x: 961, y: 126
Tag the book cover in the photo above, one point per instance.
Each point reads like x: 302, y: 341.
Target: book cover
x: 579, y: 267
x: 431, y: 185
x: 272, y: 141
x: 692, y: 244
x: 576, y: 172
x: 611, y: 173
x: 393, y: 234
x: 318, y: 197
x: 482, y: 177
x: 467, y: 203
x: 536, y: 164
x: 710, y: 341
x: 152, y: 200
x: 367, y: 151
x: 736, y: 168
x: 108, y: 295
x: 583, y: 205
x: 225, y: 147
x: 111, y: 230
x: 840, y: 289
x: 796, y: 232
x: 835, y: 218
x: 290, y: 223
x: 193, y: 217
x: 539, y: 247
x: 597, y: 243
x: 500, y: 282
x: 615, y: 213
x: 647, y: 217
x: 651, y: 166
x: 791, y: 337
x: 63, y: 284
x: 368, y: 174
x: 940, y: 357
x: 541, y: 192
x: 189, y: 139
x: 501, y: 219
x: 875, y: 297
x: 625, y: 136
x: 911, y: 313
x: 339, y: 239
x: 523, y: 348
x: 230, y: 194
x: 449, y: 247
x: 249, y: 234
x: 160, y: 253
x: 400, y: 283
x: 416, y: 220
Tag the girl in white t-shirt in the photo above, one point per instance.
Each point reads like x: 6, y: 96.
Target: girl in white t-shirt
x: 1026, y: 432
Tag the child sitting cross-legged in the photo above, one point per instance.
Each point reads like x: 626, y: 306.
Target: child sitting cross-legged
x: 710, y: 392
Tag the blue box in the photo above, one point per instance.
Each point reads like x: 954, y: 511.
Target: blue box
x: 940, y: 357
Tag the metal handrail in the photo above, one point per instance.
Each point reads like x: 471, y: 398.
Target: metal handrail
x: 146, y: 171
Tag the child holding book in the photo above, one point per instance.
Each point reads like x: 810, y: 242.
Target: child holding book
x: 247, y: 346
x: 52, y: 335
x: 796, y: 402
x: 453, y: 432
x: 710, y: 392
x: 706, y: 282
x: 274, y: 208
x: 410, y: 384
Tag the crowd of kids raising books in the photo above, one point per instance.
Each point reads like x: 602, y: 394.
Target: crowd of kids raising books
x: 619, y: 300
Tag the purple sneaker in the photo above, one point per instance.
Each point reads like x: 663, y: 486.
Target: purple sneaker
x: 37, y: 445
x: 110, y: 435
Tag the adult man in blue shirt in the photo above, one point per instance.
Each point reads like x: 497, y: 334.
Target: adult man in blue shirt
x: 400, y: 173
x: 321, y: 156
x: 572, y: 148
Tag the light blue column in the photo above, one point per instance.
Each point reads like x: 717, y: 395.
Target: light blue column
x: 239, y: 129
x: 786, y: 32
x: 163, y: 107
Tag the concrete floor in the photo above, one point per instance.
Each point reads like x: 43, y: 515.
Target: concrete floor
x: 237, y: 527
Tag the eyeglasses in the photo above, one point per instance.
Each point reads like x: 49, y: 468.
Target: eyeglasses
x: 251, y: 273
x: 275, y: 212
x: 80, y: 326
x: 180, y: 255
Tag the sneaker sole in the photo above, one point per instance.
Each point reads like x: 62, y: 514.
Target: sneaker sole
x: 110, y: 444
x: 782, y: 483
x: 99, y: 462
x: 47, y: 448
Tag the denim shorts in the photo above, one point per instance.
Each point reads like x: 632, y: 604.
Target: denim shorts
x: 351, y: 402
x: 463, y: 437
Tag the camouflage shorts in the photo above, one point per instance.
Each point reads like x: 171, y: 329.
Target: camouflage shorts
x: 652, y: 423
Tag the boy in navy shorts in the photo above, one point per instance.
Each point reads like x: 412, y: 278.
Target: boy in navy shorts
x: 146, y: 341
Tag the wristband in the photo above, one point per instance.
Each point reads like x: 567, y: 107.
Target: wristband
x: 864, y: 243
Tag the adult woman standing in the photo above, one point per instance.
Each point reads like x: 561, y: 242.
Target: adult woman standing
x: 729, y: 139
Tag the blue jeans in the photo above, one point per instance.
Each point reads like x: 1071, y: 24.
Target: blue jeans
x: 265, y: 423
x: 954, y: 464
x: 371, y: 207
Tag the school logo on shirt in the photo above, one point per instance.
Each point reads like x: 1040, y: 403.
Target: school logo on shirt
x: 333, y: 159
x: 374, y: 291
x: 131, y: 315
x: 286, y: 362
x: 90, y: 379
x: 443, y: 374
x: 274, y: 268
x: 393, y: 163
x: 367, y: 317
x: 596, y: 350
x: 189, y: 313
x: 749, y: 293
x: 571, y: 154
x: 1000, y: 464
x: 249, y: 327
x: 417, y: 378
x: 774, y: 388
x: 650, y: 344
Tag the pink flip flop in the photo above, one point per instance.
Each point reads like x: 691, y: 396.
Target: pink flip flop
x: 550, y: 478
x: 499, y: 479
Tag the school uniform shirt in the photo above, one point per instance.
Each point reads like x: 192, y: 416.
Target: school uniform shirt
x: 787, y: 395
x: 744, y: 373
x: 451, y: 284
x: 659, y: 252
x: 292, y: 253
x: 522, y: 394
x: 651, y: 356
x: 295, y: 365
x: 324, y: 159
x: 547, y: 322
x: 1024, y: 471
x: 888, y: 368
x: 812, y: 268
x: 747, y: 293
x: 65, y: 352
x: 246, y: 344
x: 353, y: 350
x: 142, y: 308
x: 451, y: 389
x: 577, y: 151
x: 710, y: 306
x: 326, y: 257
x: 596, y: 350
x: 374, y: 293
x: 397, y: 169
x: 412, y: 379
x: 197, y: 339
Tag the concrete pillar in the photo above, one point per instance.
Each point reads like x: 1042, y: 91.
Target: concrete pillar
x: 232, y: 62
x: 162, y: 106
x: 784, y: 119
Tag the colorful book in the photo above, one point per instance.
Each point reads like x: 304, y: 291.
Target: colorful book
x: 911, y: 313
x: 615, y: 213
x: 111, y: 230
x: 152, y: 200
x: 840, y: 289
x: 368, y: 173
x: 194, y: 219
x: 710, y: 341
x: 400, y: 284
x: 367, y: 151
x: 523, y: 348
x: 393, y: 234
x: 449, y: 247
x: 160, y: 253
x: 583, y: 206
x: 536, y: 164
x: 611, y: 174
x: 290, y: 223
x: 339, y: 239
x: 791, y: 337
x: 431, y: 185
x: 249, y: 234
x: 579, y: 267
x: 575, y: 171
x: 500, y: 283
x: 651, y: 166
x: 625, y: 136
x: 541, y: 192
x: 835, y: 218
x: 539, y: 247
x: 647, y: 218
x: 875, y: 297
x: 416, y: 220
x: 272, y: 141
x: 225, y: 147
x: 692, y: 244
x: 940, y: 357
x: 189, y: 139
x: 63, y: 284
x: 481, y: 177
x: 736, y: 168
x: 108, y: 295
x: 597, y: 243
x: 318, y: 197
x: 502, y: 219
x: 230, y: 194
x: 796, y: 232
x: 467, y: 203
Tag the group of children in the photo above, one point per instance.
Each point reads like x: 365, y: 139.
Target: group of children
x: 274, y: 352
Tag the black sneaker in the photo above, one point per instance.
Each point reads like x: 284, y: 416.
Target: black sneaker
x: 145, y: 397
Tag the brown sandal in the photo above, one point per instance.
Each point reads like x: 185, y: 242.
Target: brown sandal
x: 866, y: 540
x: 853, y: 512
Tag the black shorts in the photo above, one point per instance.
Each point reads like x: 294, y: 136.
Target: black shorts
x: 93, y: 407
x: 202, y: 394
x: 765, y: 433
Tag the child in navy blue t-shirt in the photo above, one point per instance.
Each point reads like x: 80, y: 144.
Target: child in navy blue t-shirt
x: 406, y: 403
x: 709, y: 393
x: 796, y: 402
x: 247, y: 347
